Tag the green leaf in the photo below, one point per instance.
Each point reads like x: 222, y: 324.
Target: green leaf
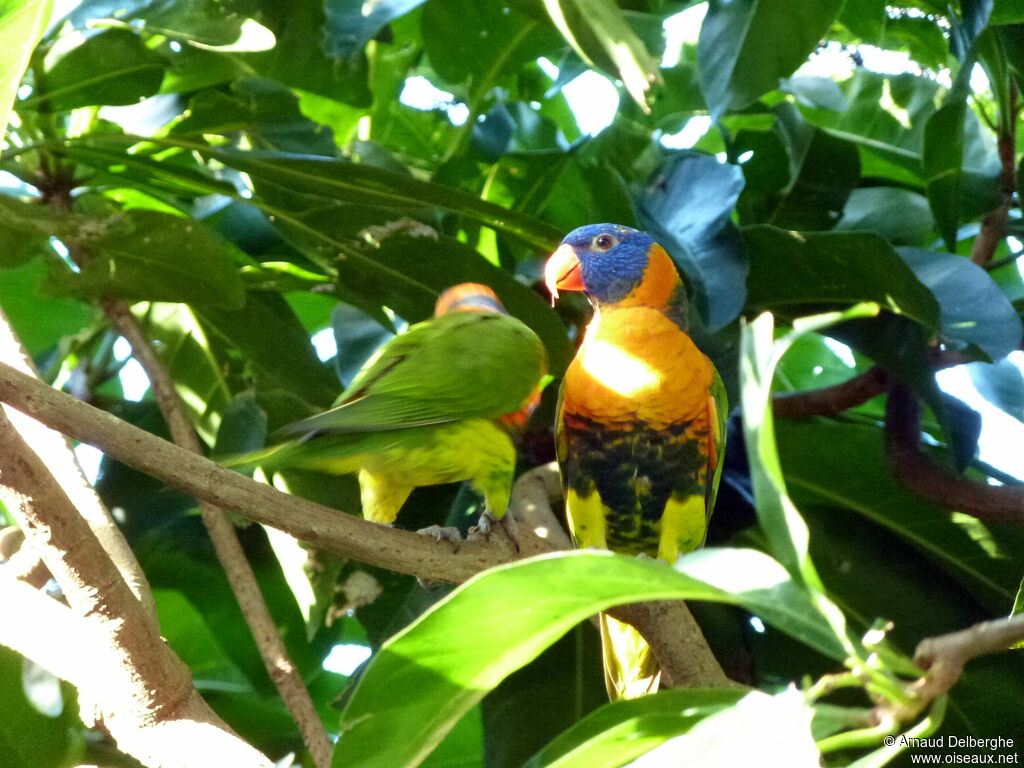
x: 941, y: 161
x: 113, y: 67
x: 623, y: 730
x: 40, y: 321
x: 21, y: 26
x: 209, y: 22
x: 268, y: 331
x: 973, y: 309
x: 687, y: 207
x: 823, y: 170
x: 438, y: 263
x: 479, y: 42
x: 792, y: 272
x: 747, y: 46
x: 1002, y: 384
x: 29, y: 738
x: 759, y: 729
x: 503, y: 618
x: 899, y: 215
x: 598, y: 32
x: 144, y: 254
x: 844, y: 465
x: 351, y: 24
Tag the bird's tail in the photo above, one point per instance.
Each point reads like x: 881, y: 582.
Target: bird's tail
x: 630, y: 667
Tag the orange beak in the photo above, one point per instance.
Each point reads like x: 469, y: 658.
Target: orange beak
x: 563, y: 272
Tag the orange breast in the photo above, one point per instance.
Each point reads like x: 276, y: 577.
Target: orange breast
x: 636, y: 364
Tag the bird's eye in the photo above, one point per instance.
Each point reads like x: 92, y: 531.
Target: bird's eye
x: 604, y: 242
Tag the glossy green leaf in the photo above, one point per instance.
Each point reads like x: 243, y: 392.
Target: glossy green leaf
x: 811, y: 191
x: 113, y: 67
x: 899, y: 215
x: 40, y: 321
x: 268, y: 331
x: 503, y: 618
x: 21, y: 26
x: 1002, y: 384
x: 747, y: 46
x: 773, y: 729
x: 941, y: 160
x: 598, y: 32
x: 350, y: 24
x: 687, y: 207
x: 481, y: 42
x: 149, y: 255
x: 791, y: 270
x: 624, y: 730
x: 209, y: 22
x: 973, y: 309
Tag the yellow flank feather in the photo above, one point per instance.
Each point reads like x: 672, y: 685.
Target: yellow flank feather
x: 586, y: 517
x: 621, y: 645
x: 476, y: 449
x: 683, y: 526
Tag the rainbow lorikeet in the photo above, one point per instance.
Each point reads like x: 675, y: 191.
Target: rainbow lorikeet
x: 641, y: 420
x: 436, y: 404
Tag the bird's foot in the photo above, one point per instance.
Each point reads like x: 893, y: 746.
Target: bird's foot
x: 488, y: 522
x: 442, y: 533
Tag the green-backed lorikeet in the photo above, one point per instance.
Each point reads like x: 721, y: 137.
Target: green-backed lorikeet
x: 436, y: 404
x: 641, y: 420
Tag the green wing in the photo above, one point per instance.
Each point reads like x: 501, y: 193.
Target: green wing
x: 720, y: 417
x: 459, y: 366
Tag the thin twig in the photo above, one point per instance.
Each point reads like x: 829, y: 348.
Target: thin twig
x: 993, y: 226
x: 229, y: 550
x: 827, y: 401
x: 945, y: 656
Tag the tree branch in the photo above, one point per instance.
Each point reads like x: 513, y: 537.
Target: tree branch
x: 349, y: 536
x: 63, y: 466
x: 937, y: 483
x: 227, y: 547
x: 945, y: 656
x: 140, y: 691
x: 827, y: 401
x: 993, y: 226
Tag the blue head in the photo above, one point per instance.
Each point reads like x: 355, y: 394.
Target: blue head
x: 606, y: 261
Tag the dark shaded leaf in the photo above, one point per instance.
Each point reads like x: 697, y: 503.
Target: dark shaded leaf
x: 746, y: 47
x: 211, y: 22
x: 268, y: 331
x: 687, y: 207
x: 941, y: 160
x: 144, y: 254
x: 902, y: 217
x: 350, y: 24
x: 113, y: 67
x: 789, y: 270
x: 973, y: 309
x: 844, y: 465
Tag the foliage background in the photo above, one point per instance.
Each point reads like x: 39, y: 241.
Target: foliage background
x: 247, y: 173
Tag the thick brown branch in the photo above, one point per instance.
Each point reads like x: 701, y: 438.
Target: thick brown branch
x: 827, y: 401
x: 935, y: 482
x: 945, y: 656
x: 141, y: 691
x: 229, y: 551
x: 63, y: 466
x: 391, y: 548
